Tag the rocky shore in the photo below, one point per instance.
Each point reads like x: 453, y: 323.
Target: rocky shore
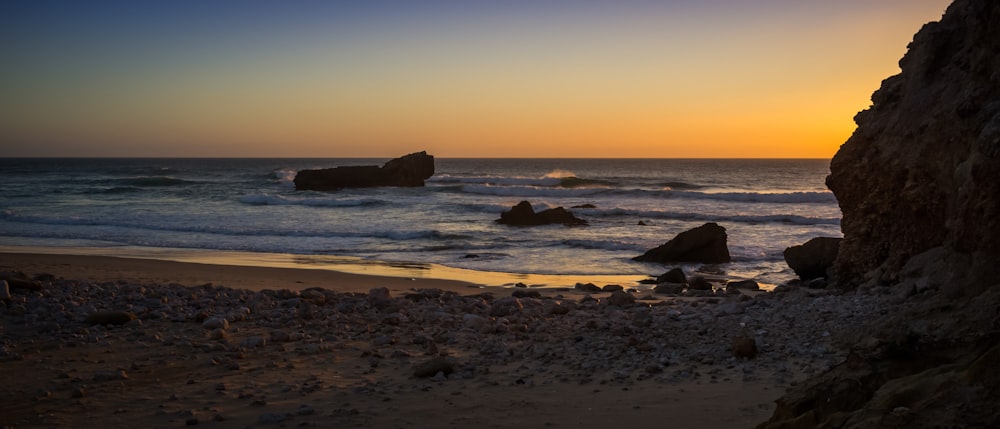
x: 96, y: 353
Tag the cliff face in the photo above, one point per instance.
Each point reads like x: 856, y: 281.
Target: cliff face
x: 919, y: 187
x: 922, y: 169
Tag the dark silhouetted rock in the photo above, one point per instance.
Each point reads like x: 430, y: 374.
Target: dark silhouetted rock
x: 812, y: 259
x: 921, y: 169
x: 524, y: 215
x: 431, y: 367
x: 743, y: 284
x: 699, y: 283
x: 744, y: 348
x: 410, y: 170
x: 620, y: 298
x: 587, y: 287
x: 705, y: 244
x: 675, y: 275
x: 669, y: 288
x: 918, y: 187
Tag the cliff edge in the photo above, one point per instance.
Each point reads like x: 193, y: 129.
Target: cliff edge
x: 919, y: 187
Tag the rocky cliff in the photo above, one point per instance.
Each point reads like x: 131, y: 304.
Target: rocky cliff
x: 922, y: 170
x: 919, y: 186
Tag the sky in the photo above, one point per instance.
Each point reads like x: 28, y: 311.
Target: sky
x: 515, y: 78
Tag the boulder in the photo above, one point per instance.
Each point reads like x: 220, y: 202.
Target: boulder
x: 587, y: 287
x: 744, y: 348
x: 669, y: 288
x: 742, y: 284
x: 812, y: 259
x: 699, y: 283
x: 432, y: 366
x: 705, y: 244
x: 675, y: 275
x: 524, y: 215
x: 620, y: 298
x: 409, y: 171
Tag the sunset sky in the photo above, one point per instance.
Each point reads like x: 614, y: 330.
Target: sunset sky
x: 671, y: 78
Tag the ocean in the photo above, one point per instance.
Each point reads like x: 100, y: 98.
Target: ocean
x: 162, y: 207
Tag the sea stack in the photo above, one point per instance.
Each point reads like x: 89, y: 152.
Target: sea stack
x: 407, y: 171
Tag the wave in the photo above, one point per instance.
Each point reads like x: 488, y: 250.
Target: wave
x: 531, y: 191
x: 229, y: 230
x: 680, y: 185
x: 689, y: 216
x: 154, y: 181
x: 285, y: 176
x: 554, y: 179
x: 759, y: 197
x: 604, y: 245
x: 281, y: 200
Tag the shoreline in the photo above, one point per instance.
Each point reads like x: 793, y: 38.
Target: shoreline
x: 390, y: 272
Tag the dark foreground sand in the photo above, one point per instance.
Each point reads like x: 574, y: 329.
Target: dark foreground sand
x: 238, y: 353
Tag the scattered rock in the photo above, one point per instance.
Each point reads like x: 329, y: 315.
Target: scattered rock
x: 587, y: 287
x: 215, y: 323
x: 612, y: 288
x: 431, y: 367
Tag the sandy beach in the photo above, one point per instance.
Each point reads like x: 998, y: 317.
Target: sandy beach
x: 232, y: 346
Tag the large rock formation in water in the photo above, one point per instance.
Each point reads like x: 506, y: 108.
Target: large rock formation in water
x: 705, y: 244
x: 919, y: 187
x: 410, y: 170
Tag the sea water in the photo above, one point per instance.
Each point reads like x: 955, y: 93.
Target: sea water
x: 251, y: 205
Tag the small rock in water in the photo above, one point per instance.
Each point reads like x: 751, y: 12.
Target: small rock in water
x: 587, y: 287
x: 612, y: 288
